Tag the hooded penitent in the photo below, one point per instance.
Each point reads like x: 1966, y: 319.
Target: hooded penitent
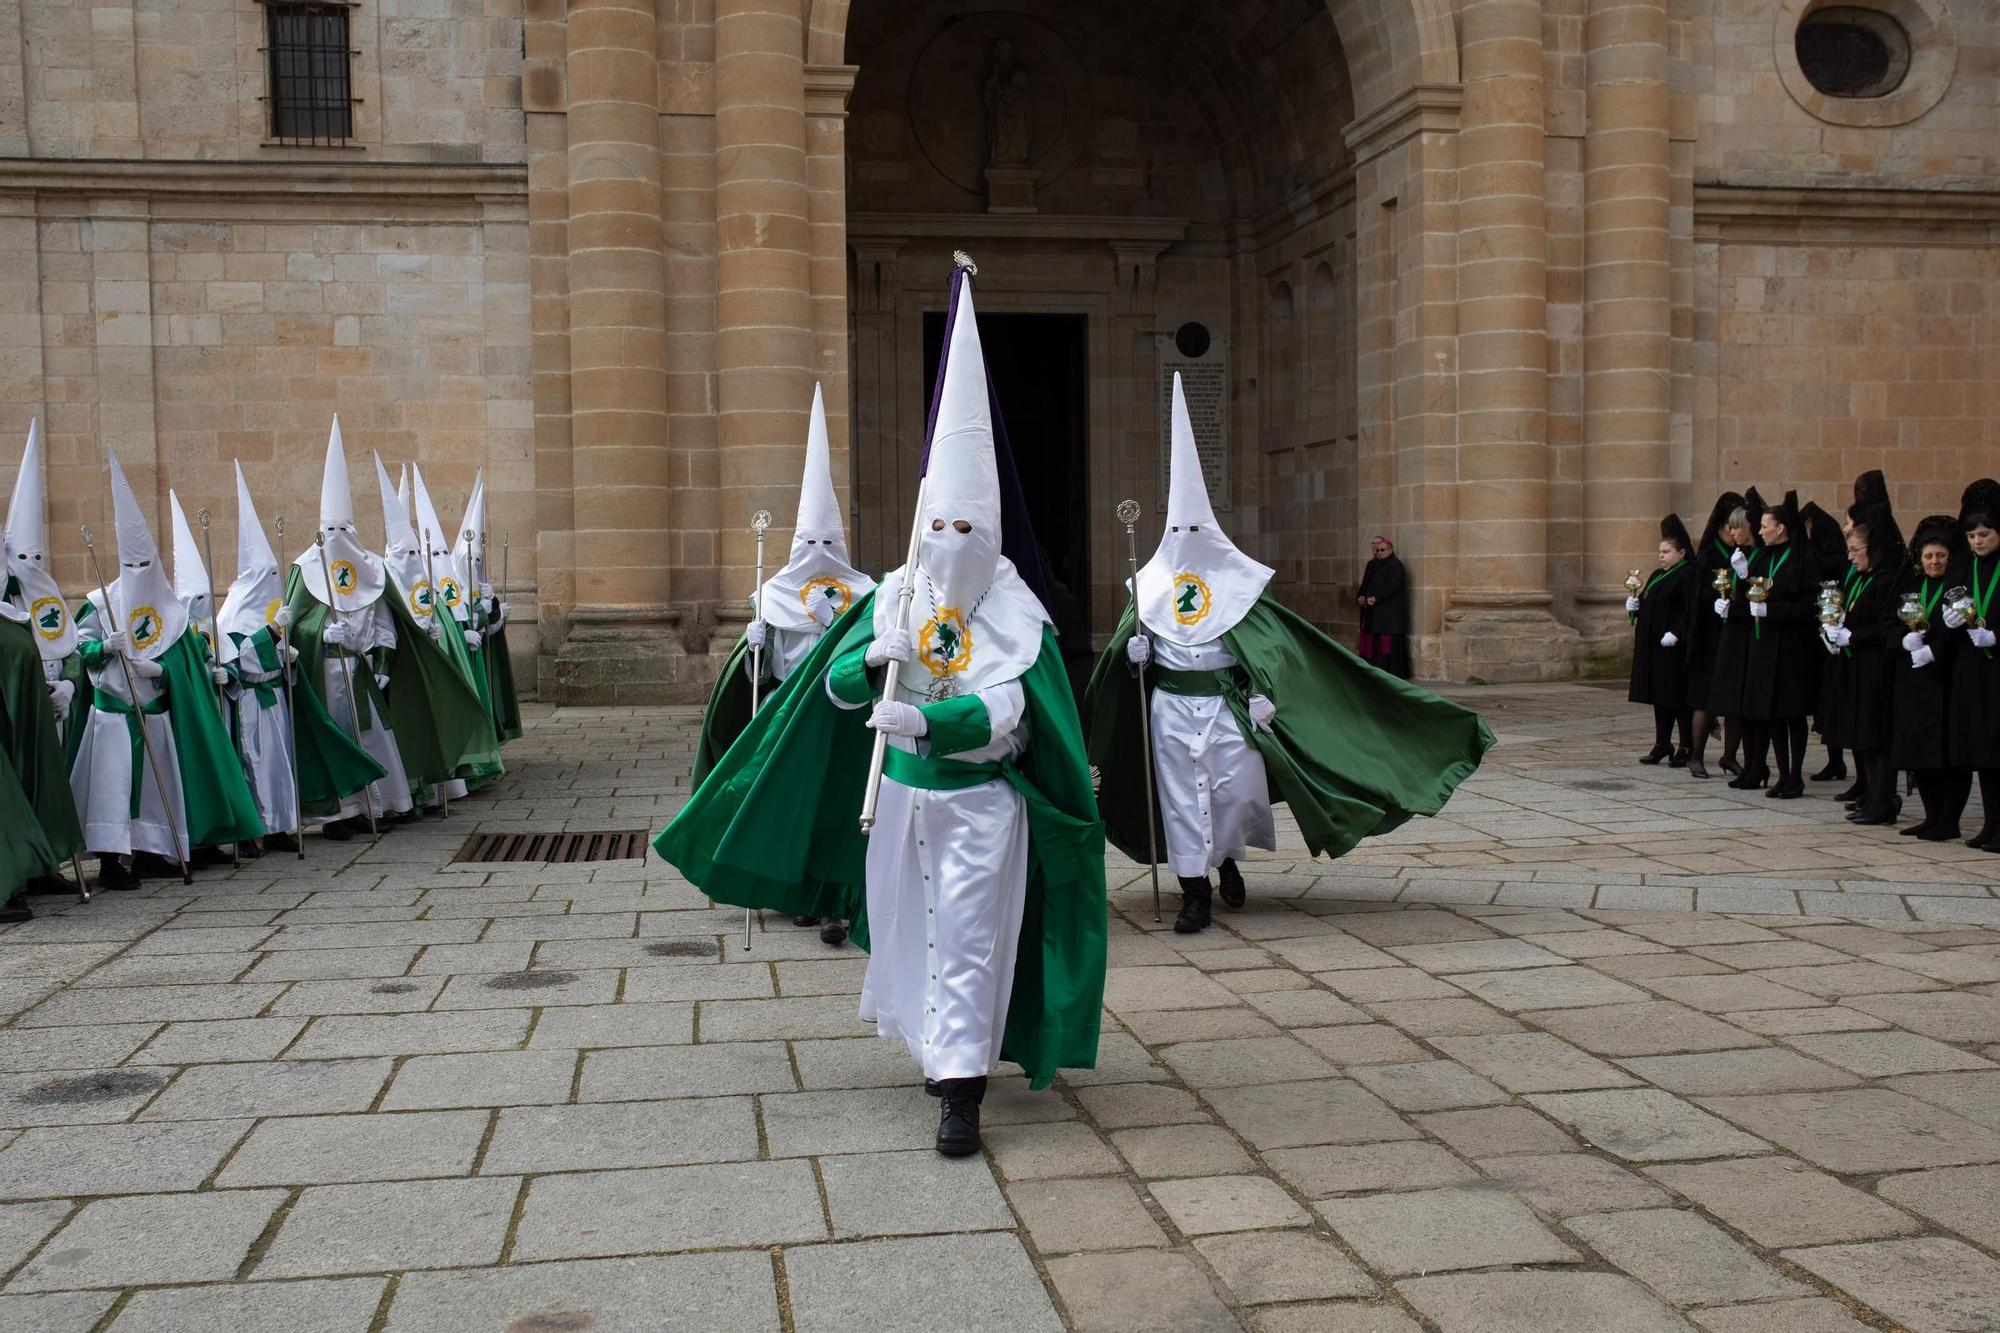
x: 1198, y: 585
x: 191, y: 583
x: 142, y: 597
x: 403, y: 495
x: 451, y: 591
x: 817, y: 583
x: 402, y: 553
x: 357, y: 573
x: 974, y: 621
x: 30, y: 584
x: 254, y: 598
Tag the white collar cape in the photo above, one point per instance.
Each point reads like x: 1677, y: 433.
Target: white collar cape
x: 959, y: 650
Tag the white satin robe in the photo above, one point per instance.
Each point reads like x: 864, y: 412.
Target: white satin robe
x: 264, y: 741
x: 391, y: 792
x: 101, y: 780
x: 1214, y: 799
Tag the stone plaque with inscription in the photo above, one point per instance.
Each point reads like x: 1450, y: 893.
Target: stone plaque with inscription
x: 1205, y: 382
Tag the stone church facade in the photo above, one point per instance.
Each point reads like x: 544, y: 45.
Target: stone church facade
x: 1503, y: 279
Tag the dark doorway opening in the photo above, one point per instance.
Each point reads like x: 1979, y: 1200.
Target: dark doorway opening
x: 1039, y: 365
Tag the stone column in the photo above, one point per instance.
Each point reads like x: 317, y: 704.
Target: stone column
x: 1499, y: 626
x: 617, y: 649
x: 763, y: 304
x: 1627, y: 314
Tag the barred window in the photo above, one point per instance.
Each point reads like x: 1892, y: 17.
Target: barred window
x: 311, y: 84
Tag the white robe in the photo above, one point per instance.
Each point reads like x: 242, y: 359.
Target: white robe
x: 1214, y: 799
x: 101, y: 780
x: 264, y: 742
x: 947, y: 884
x: 784, y: 649
x: 391, y: 792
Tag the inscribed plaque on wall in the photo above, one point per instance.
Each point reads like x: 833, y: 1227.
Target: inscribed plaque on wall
x: 1205, y: 382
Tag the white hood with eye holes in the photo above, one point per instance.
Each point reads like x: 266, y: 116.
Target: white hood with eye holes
x: 817, y: 583
x: 1198, y: 585
x: 448, y: 590
x: 402, y: 553
x: 357, y: 572
x: 142, y: 596
x: 973, y: 622
x: 25, y: 545
x: 257, y: 592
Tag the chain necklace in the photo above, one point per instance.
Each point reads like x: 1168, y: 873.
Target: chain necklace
x: 943, y: 686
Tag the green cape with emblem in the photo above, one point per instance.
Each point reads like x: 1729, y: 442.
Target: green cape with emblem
x: 331, y: 766
x: 774, y: 825
x: 35, y: 805
x: 79, y: 704
x: 437, y: 719
x: 1353, y: 750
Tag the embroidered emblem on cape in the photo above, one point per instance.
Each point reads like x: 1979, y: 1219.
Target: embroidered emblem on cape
x: 207, y: 641
x: 420, y: 600
x: 828, y: 592
x: 49, y: 617
x: 448, y: 592
x: 271, y: 611
x: 1192, y: 600
x: 944, y: 644
x: 146, y: 628
x: 344, y: 577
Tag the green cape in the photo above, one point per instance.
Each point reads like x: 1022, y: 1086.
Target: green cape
x: 728, y: 711
x: 498, y: 688
x: 220, y: 808
x: 33, y: 774
x: 331, y: 766
x: 1353, y: 750
x: 438, y: 722
x: 774, y: 826
x: 482, y: 765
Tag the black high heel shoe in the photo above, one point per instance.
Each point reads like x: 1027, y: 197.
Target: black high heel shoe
x: 1788, y: 789
x: 1835, y: 771
x: 1697, y: 769
x: 1730, y: 766
x: 1850, y: 796
x: 1656, y: 754
x: 1678, y: 760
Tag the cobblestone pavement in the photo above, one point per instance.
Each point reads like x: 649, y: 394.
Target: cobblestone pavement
x: 1492, y: 1073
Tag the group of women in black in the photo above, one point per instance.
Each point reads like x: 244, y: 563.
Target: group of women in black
x: 1781, y: 617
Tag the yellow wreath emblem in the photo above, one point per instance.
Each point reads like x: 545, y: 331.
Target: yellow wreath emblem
x: 944, y: 644
x: 1191, y: 598
x: 832, y: 589
x: 49, y: 615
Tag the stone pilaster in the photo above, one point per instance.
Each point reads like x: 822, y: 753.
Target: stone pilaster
x: 1627, y: 311
x: 618, y: 647
x: 1499, y: 626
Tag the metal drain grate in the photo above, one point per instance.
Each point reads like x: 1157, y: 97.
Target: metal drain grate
x: 562, y: 848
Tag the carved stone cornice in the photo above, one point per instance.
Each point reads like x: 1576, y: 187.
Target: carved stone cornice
x: 1014, y: 226
x: 827, y: 88
x: 1424, y: 108
x: 261, y: 180
x: 1865, y: 216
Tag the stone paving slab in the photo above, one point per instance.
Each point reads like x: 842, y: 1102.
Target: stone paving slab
x: 1490, y: 1072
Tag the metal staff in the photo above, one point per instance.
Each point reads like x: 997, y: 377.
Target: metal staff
x: 430, y: 581
x: 1128, y: 514
x: 758, y: 522
x: 291, y: 721
x: 215, y: 645
x: 890, y: 674
x: 145, y: 737
x: 346, y: 674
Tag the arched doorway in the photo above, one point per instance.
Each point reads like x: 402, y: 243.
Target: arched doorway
x: 1145, y: 187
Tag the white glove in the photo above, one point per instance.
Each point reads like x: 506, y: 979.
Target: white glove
x: 1921, y: 656
x: 435, y: 626
x: 1669, y: 639
x: 474, y: 641
x: 754, y: 635
x: 1138, y: 650
x: 60, y: 694
x: 899, y: 719
x: 118, y: 641
x: 1722, y: 608
x: 1262, y: 710
x: 1912, y: 641
x: 1839, y: 635
x: 1981, y: 638
x: 1758, y: 610
x: 218, y: 675
x: 500, y: 610
x: 334, y: 634
x: 1631, y: 604
x: 381, y: 681
x: 891, y: 647
x: 145, y: 668
x: 486, y: 591
x: 283, y: 619
x: 1740, y: 563
x: 1952, y: 619
x: 288, y: 653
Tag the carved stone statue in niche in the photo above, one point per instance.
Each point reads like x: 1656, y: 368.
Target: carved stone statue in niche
x: 1010, y: 111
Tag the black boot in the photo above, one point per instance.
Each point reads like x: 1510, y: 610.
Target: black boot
x: 832, y: 930
x: 150, y: 865
x: 340, y: 830
x: 1194, y: 915
x: 281, y: 842
x: 805, y: 919
x: 958, y: 1115
x: 47, y: 886
x: 1231, y: 885
x: 115, y: 875
x: 15, y: 911
x: 248, y: 849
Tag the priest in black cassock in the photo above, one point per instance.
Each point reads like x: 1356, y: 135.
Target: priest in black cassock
x: 1384, y: 596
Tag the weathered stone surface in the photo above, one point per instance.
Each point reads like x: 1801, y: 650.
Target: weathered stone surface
x: 1205, y: 1205
x: 1929, y: 1285
x: 1124, y: 1105
x: 1725, y: 1072
x: 536, y: 1139
x: 322, y: 1150
x: 1322, y: 1171
x: 1429, y: 1085
x: 487, y: 1078
x: 1686, y: 1260
x: 1642, y: 1125
x: 1496, y: 1131
x: 1539, y: 1302
x: 1533, y: 1062
x: 1777, y: 1202
x: 1182, y: 1150
x: 1430, y: 1231
x: 400, y: 1224
x: 1861, y: 1130
x: 115, y: 1159
x: 669, y: 1208
x: 1811, y: 1315
x: 1565, y: 1184
x: 899, y: 1193
x: 686, y: 1293
x: 1065, y: 1216
x: 1658, y: 1028
x: 319, y: 1306
x: 1265, y: 1267
x: 900, y: 1285
x: 1544, y: 988
x: 142, y: 1241
x: 1211, y: 1064
x: 1883, y: 1054
x: 1292, y: 1115
x: 1965, y: 1199
x: 1138, y: 1292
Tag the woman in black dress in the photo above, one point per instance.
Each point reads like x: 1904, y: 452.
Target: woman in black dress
x: 1732, y: 632
x: 1973, y: 711
x: 1704, y: 632
x: 1862, y: 714
x: 1660, y: 614
x: 1826, y: 536
x: 1923, y: 682
x: 1777, y: 671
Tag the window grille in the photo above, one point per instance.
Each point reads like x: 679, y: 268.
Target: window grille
x: 311, y: 78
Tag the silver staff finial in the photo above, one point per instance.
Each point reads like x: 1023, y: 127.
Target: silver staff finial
x: 1128, y: 512
x: 201, y: 516
x: 760, y: 520
x: 960, y: 259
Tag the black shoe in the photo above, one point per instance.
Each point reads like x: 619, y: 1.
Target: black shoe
x: 248, y: 849
x: 1679, y: 759
x: 116, y: 876
x: 958, y: 1115
x: 14, y: 912
x: 47, y: 886
x: 1751, y: 781
x: 281, y: 842
x: 1851, y: 795
x: 1920, y: 830
x: 148, y: 865
x: 806, y: 919
x: 410, y: 816
x: 1231, y: 885
x: 1788, y: 789
x: 1940, y: 834
x: 202, y: 858
x: 832, y: 930
x: 1730, y: 766
x: 1833, y: 772
x: 1985, y: 840
x: 1656, y: 754
x: 340, y: 830
x: 1194, y: 915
